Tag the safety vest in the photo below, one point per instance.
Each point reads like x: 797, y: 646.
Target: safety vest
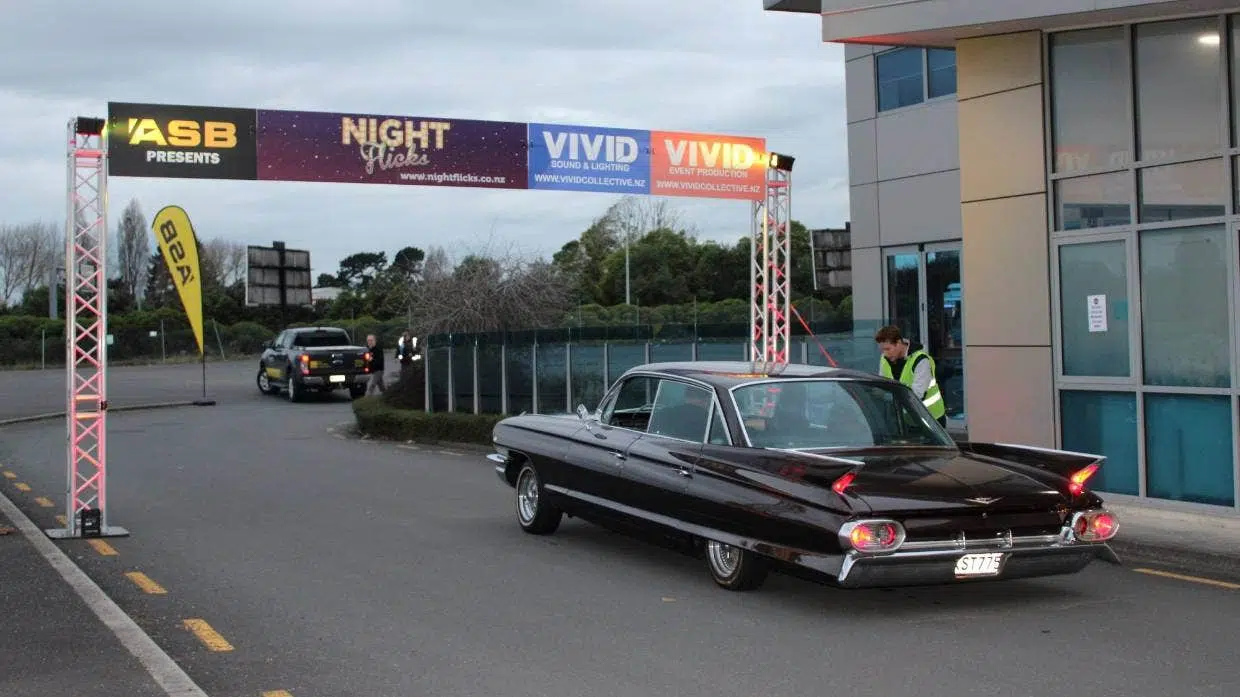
x: 933, y: 398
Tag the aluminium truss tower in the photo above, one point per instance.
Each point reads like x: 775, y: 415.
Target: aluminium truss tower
x: 86, y: 331
x: 770, y: 270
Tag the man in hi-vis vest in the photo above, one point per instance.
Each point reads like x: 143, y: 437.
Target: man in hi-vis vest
x: 914, y: 367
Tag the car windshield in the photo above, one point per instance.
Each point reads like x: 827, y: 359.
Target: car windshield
x: 320, y: 339
x: 818, y: 413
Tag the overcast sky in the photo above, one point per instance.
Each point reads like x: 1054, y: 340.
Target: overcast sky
x: 713, y: 66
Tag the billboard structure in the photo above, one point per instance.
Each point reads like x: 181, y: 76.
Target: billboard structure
x: 277, y: 277
x: 212, y: 142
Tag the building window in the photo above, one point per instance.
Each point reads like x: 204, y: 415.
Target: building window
x: 1089, y: 83
x: 908, y: 76
x: 941, y: 71
x: 1147, y: 216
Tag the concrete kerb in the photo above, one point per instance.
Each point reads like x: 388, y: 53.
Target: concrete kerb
x: 121, y: 408
x: 1160, y: 535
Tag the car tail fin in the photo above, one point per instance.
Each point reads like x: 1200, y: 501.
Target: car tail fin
x: 1075, y: 467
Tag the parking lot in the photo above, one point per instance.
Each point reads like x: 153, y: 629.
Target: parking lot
x: 319, y: 564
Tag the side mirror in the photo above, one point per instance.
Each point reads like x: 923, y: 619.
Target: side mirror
x: 582, y: 413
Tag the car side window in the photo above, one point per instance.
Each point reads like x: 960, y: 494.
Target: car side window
x: 718, y: 430
x: 680, y: 411
x: 632, y: 404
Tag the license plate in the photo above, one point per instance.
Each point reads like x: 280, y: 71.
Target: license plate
x: 336, y: 378
x: 978, y: 565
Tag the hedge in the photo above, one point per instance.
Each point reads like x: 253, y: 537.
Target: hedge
x: 377, y: 419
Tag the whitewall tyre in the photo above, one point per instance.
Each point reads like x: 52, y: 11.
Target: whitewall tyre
x: 734, y: 568
x: 534, y: 513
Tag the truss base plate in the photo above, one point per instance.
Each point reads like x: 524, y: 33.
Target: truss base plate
x: 71, y: 534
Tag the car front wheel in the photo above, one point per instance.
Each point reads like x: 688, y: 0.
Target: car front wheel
x: 535, y: 514
x: 734, y: 568
x: 264, y: 382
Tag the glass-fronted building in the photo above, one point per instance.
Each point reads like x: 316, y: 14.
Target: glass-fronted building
x: 1052, y: 200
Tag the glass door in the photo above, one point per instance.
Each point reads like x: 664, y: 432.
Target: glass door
x: 903, y: 302
x: 944, y: 323
x: 925, y: 298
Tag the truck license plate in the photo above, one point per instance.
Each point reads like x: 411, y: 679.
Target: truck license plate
x: 337, y: 378
x: 978, y: 564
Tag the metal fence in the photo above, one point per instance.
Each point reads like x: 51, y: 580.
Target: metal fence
x: 552, y: 371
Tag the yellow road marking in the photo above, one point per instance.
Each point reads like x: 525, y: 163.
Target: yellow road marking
x: 208, y: 636
x: 103, y: 548
x: 1193, y: 579
x: 144, y: 582
x: 44, y: 502
x: 277, y: 693
x: 22, y: 486
x: 10, y: 475
x: 62, y: 520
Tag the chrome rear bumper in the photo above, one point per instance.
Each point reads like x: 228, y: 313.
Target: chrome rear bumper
x: 933, y: 562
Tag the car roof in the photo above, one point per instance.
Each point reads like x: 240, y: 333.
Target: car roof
x: 729, y: 374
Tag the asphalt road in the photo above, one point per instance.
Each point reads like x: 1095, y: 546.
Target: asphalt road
x: 336, y: 567
x: 30, y: 392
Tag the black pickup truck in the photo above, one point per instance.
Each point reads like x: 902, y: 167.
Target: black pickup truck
x: 313, y: 358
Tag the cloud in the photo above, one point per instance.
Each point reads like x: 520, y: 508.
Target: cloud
x: 725, y: 67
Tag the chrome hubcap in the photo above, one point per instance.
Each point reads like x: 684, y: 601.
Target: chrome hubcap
x: 527, y: 496
x: 725, y: 558
x: 262, y: 381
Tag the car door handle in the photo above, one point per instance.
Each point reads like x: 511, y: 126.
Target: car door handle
x: 684, y: 472
x: 619, y: 455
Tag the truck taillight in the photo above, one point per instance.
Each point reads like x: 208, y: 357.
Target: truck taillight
x: 305, y: 364
x: 870, y: 536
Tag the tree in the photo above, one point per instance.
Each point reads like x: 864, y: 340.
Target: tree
x: 223, y: 261
x: 489, y: 292
x: 133, y: 251
x: 28, y: 254
x: 358, y: 271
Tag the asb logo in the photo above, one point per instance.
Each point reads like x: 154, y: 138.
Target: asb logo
x: 180, y: 133
x: 157, y: 140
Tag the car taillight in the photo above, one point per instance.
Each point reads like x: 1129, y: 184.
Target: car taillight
x: 870, y: 536
x: 841, y: 484
x: 1094, y: 526
x: 305, y: 363
x: 1076, y: 481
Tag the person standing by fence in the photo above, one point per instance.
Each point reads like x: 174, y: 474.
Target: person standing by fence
x: 376, y: 366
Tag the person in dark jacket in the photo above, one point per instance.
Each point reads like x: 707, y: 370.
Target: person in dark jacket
x: 376, y: 366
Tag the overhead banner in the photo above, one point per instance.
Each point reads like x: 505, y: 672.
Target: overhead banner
x: 154, y: 140
x: 586, y: 158
x: 181, y: 142
x: 375, y: 149
x: 179, y: 245
x: 707, y: 166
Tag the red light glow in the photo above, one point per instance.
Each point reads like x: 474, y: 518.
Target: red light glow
x: 1076, y: 482
x: 843, y: 483
x: 868, y: 536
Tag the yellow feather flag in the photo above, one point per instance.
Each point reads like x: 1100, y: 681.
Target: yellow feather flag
x: 179, y: 246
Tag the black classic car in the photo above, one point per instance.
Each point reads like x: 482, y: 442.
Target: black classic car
x: 840, y: 473
x: 320, y: 359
